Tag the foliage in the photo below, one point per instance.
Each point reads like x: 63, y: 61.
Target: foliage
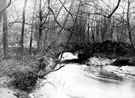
x: 109, y: 46
x: 24, y: 81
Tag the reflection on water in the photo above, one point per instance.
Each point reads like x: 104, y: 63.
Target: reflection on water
x: 115, y: 88
x: 109, y: 85
x: 102, y: 84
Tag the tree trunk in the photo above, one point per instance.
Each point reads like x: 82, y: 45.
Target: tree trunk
x: 40, y: 26
x: 128, y: 23
x: 3, y: 19
x: 5, y: 33
x: 22, y: 31
x: 30, y: 47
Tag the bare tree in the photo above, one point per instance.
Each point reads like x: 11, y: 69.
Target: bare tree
x: 42, y: 21
x: 32, y: 27
x: 128, y: 21
x: 40, y: 25
x: 5, y: 32
x: 3, y: 18
x: 23, y: 25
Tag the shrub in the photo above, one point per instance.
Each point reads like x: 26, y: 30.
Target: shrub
x: 25, y: 81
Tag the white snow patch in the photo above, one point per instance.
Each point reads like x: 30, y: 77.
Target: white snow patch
x: 99, y: 61
x: 67, y: 56
x: 7, y: 93
x: 98, y: 64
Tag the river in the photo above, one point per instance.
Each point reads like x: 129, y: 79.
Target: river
x: 72, y: 81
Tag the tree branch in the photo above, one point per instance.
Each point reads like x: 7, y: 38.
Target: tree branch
x: 6, y: 7
x: 114, y: 9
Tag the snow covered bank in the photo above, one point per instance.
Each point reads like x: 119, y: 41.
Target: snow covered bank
x: 103, y: 64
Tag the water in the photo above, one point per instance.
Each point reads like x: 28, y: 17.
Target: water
x: 73, y: 82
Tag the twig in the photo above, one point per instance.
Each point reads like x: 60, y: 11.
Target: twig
x: 58, y: 68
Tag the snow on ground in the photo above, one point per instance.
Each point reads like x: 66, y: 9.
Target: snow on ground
x: 99, y: 64
x: 7, y: 93
x: 67, y: 56
x: 99, y: 61
x: 72, y: 81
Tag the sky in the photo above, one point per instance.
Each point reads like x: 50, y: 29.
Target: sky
x: 112, y: 3
x: 20, y: 3
x: 103, y: 3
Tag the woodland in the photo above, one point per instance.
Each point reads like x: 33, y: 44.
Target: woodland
x: 34, y: 32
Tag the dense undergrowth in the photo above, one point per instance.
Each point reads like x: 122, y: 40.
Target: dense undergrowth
x: 24, y: 81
